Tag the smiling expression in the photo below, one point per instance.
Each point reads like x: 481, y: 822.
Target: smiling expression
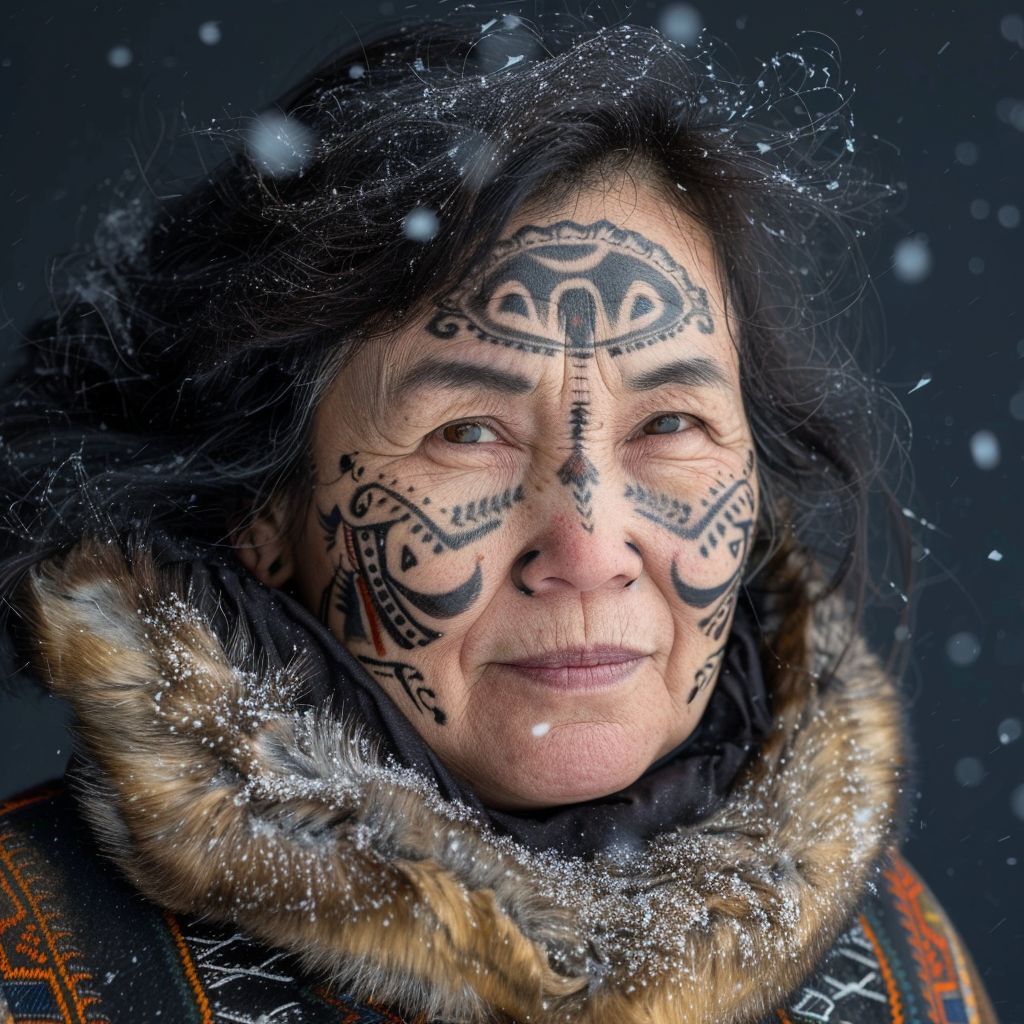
x: 534, y: 503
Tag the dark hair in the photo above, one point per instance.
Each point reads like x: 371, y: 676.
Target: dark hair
x: 175, y: 382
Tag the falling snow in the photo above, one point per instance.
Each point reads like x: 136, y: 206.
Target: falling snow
x: 969, y: 771
x: 421, y: 224
x: 963, y: 649
x: 119, y: 56
x: 681, y: 22
x: 985, y: 449
x: 966, y: 153
x: 1008, y: 216
x: 1012, y: 29
x: 1011, y: 111
x: 1009, y: 730
x: 209, y: 33
x: 912, y: 260
x: 477, y: 158
x: 279, y: 144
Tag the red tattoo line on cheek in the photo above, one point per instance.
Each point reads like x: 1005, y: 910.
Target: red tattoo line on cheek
x: 364, y: 594
x: 350, y: 547
x: 371, y: 615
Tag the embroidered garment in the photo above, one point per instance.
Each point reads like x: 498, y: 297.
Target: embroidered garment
x: 281, y: 866
x: 77, y: 944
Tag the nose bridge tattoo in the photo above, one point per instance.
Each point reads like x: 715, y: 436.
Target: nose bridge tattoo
x: 721, y: 532
x: 577, y: 312
x: 569, y: 288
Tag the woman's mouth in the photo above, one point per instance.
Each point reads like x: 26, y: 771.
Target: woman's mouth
x: 579, y: 668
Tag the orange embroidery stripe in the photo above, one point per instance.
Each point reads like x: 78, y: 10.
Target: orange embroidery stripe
x: 58, y: 959
x: 966, y: 988
x: 33, y: 796
x: 900, y: 881
x: 930, y: 949
x: 353, y: 1016
x: 18, y: 915
x: 350, y: 1015
x: 895, y: 1002
x: 190, y: 968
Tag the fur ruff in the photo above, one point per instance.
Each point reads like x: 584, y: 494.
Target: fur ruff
x: 218, y: 796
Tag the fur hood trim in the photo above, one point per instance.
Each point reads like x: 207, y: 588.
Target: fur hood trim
x: 220, y: 797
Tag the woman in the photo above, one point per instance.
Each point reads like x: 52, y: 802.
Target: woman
x: 448, y: 523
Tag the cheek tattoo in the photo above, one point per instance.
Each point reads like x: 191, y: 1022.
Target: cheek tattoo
x: 722, y: 533
x: 422, y: 697
x: 571, y: 289
x: 379, y: 524
x: 386, y: 534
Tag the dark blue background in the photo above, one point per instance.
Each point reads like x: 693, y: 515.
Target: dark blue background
x: 927, y: 79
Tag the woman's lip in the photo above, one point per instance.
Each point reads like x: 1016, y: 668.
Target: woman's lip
x: 578, y: 657
x: 577, y: 669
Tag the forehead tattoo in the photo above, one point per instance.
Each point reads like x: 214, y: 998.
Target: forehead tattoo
x: 573, y: 289
x: 581, y: 286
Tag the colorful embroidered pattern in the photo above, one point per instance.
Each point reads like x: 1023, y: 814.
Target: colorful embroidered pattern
x: 945, y: 984
x: 900, y: 962
x: 850, y: 985
x: 360, y: 1013
x: 238, y: 981
x: 892, y: 987
x: 42, y: 975
x: 152, y: 966
x: 202, y: 1003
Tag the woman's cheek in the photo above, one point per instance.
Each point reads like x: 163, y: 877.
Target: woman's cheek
x: 406, y: 563
x: 709, y: 531
x: 709, y: 527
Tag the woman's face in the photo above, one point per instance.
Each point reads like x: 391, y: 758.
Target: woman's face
x: 533, y: 504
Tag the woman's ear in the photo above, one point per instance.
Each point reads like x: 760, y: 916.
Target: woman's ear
x: 263, y: 546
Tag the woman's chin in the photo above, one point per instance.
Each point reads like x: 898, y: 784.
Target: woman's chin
x: 568, y: 764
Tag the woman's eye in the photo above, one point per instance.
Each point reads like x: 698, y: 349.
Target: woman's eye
x: 668, y: 424
x: 468, y: 433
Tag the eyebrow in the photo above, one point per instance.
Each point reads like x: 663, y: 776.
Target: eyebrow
x: 699, y: 372
x: 440, y: 373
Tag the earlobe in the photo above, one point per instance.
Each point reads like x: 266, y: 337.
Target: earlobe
x: 263, y: 547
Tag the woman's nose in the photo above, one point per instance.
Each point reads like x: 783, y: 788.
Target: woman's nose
x: 565, y: 556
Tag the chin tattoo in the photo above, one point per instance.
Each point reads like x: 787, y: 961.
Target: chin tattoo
x: 411, y: 679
